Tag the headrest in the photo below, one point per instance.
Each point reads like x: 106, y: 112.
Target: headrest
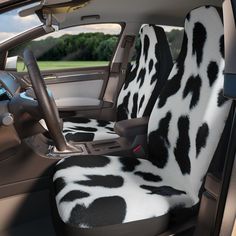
x: 202, y: 26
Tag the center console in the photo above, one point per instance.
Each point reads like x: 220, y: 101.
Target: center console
x: 116, y: 146
x: 132, y: 141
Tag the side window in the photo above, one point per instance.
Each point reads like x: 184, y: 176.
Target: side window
x: 174, y: 36
x: 75, y: 47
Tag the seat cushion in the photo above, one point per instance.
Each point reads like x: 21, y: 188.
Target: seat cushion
x: 82, y: 129
x: 101, y: 191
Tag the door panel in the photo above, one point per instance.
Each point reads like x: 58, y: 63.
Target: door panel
x: 89, y: 88
x: 74, y: 94
x: 78, y: 89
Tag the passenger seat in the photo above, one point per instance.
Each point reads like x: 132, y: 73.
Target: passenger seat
x: 122, y: 196
x: 139, y: 93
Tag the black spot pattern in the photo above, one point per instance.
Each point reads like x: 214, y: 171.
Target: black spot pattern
x: 183, y: 145
x: 150, y: 65
x: 148, y: 176
x: 102, y: 212
x: 132, y: 70
x: 107, y: 181
x: 163, y: 190
x: 79, y: 136
x: 66, y: 130
x: 141, y: 102
x: 193, y: 87
x: 141, y: 77
x: 84, y: 161
x: 188, y: 17
x: 74, y: 195
x: 158, y: 142
x: 221, y: 99
x: 122, y: 109
x: 222, y: 46
x: 212, y: 72
x: 199, y: 39
x: 155, y: 75
x: 201, y: 139
x: 173, y: 85
x: 146, y: 46
x: 158, y: 65
x: 59, y: 184
x: 135, y: 106
x: 132, y: 74
x: 86, y: 129
x: 129, y: 164
x: 103, y: 123
x: 110, y: 129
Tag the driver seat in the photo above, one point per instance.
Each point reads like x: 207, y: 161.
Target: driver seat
x: 143, y: 83
x: 123, y: 196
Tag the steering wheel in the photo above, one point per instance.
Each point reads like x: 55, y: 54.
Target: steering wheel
x: 46, y: 101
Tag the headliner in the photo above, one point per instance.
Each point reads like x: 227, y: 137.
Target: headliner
x: 163, y: 12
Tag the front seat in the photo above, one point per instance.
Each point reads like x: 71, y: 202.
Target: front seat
x: 123, y: 196
x: 138, y: 95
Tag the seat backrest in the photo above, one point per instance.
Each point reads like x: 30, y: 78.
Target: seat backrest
x: 189, y: 116
x: 147, y: 76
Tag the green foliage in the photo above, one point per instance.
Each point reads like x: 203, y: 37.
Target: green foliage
x: 86, y: 47
x: 57, y: 65
x: 81, y: 47
x: 175, y: 38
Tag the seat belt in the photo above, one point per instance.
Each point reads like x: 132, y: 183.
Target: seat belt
x: 213, y: 204
x: 210, y: 197
x: 127, y: 44
x: 117, y: 77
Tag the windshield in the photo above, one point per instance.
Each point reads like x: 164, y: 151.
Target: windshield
x: 12, y: 24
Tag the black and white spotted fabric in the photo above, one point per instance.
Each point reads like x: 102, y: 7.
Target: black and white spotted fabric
x: 95, y: 191
x: 79, y: 129
x: 139, y: 93
x: 184, y: 130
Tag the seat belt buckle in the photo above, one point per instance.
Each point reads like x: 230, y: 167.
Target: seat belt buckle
x: 139, y: 151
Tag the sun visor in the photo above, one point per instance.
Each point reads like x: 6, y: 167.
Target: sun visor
x: 58, y: 8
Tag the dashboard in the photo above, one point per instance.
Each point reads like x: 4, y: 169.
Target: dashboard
x: 9, y: 86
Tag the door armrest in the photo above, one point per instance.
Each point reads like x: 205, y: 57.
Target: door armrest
x: 80, y: 103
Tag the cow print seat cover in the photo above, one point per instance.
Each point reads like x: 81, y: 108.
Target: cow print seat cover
x: 94, y: 192
x: 143, y: 83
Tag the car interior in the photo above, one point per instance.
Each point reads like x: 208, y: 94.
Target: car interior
x: 141, y: 144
